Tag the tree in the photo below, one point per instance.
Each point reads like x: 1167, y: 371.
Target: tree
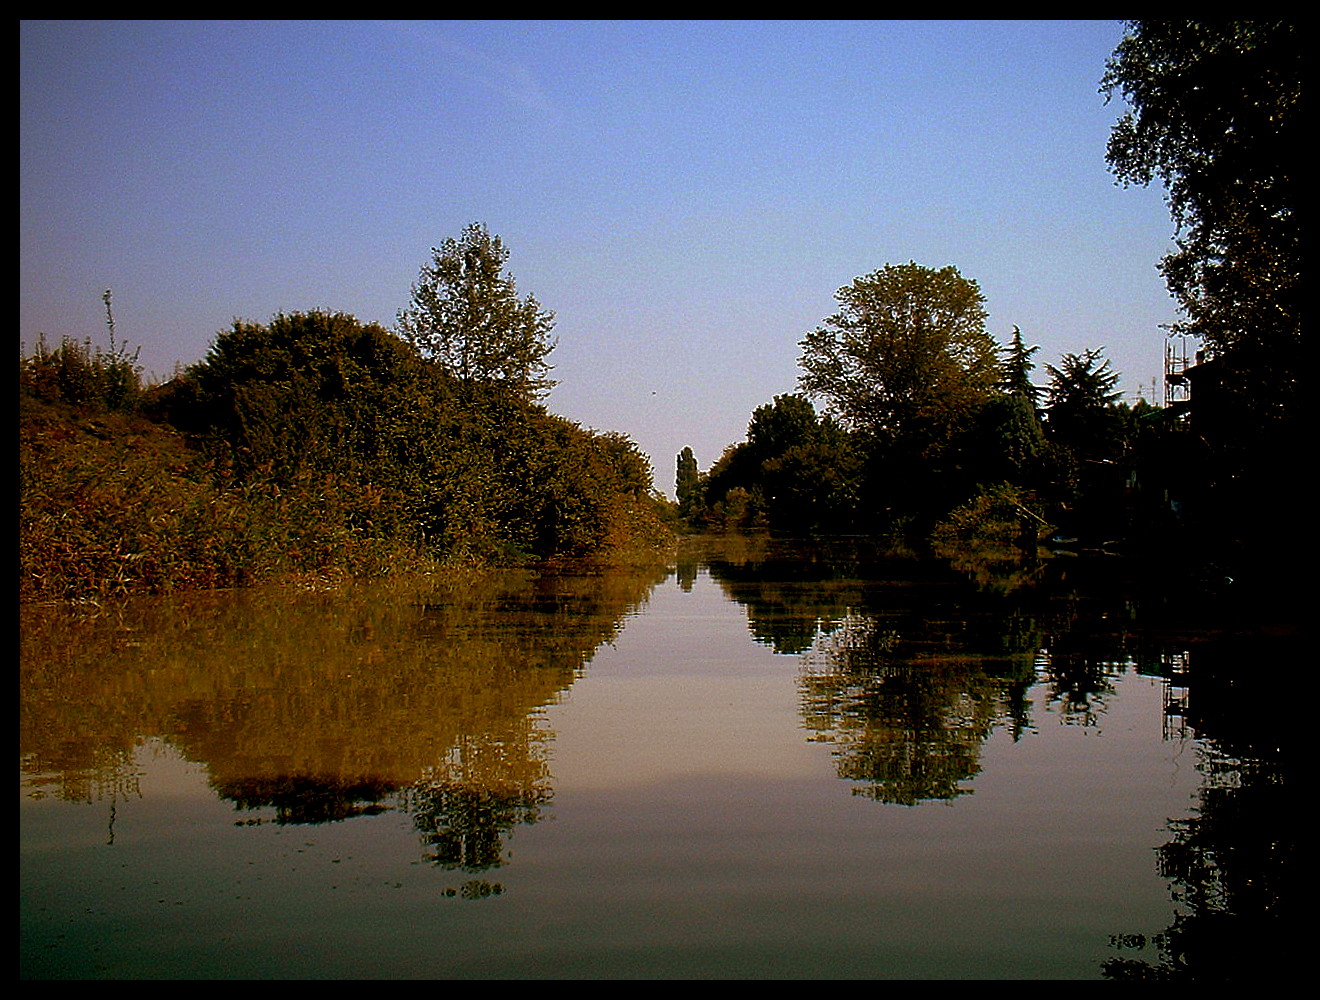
x: 465, y: 315
x: 1017, y: 368
x: 687, y: 483
x: 906, y: 358
x: 1082, y: 392
x: 1009, y: 444
x: 315, y: 390
x: 776, y: 427
x: 1215, y: 115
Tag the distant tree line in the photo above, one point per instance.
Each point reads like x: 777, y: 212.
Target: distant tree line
x: 927, y: 419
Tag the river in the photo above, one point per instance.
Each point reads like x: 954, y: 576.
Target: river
x: 763, y: 760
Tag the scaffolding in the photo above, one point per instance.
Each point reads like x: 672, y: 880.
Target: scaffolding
x: 1178, y: 357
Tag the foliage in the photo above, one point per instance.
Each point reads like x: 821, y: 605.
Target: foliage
x: 795, y: 473
x: 308, y: 390
x: 112, y: 504
x: 907, y: 356
x: 476, y: 470
x: 1216, y: 117
x: 1087, y: 461
x: 1083, y: 389
x: 81, y: 374
x: 1008, y: 442
x: 999, y: 516
x: 314, y: 444
x: 1015, y: 379
x: 687, y: 483
x: 905, y: 365
x: 809, y: 471
x: 465, y: 315
x: 776, y: 428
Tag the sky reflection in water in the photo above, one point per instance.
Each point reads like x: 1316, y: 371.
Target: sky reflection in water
x: 771, y: 762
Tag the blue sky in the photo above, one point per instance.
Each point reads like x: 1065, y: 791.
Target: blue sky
x: 687, y: 197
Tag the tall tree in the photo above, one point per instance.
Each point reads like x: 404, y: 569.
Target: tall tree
x: 1017, y: 369
x: 776, y: 427
x: 1216, y: 116
x: 465, y: 314
x: 907, y: 356
x: 687, y: 482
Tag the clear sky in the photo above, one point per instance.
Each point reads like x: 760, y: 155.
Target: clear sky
x: 687, y: 197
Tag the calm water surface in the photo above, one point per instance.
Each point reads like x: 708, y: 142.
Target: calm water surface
x: 767, y: 760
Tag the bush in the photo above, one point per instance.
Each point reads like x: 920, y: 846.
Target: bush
x: 314, y: 445
x: 81, y: 374
x: 999, y: 516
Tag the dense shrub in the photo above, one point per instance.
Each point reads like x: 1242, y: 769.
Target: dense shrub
x: 81, y: 373
x: 312, y: 445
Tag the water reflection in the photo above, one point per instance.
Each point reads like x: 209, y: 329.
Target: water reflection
x: 318, y: 707
x: 904, y: 675
x: 907, y: 671
x: 907, y: 720
x: 1231, y: 865
x: 432, y: 701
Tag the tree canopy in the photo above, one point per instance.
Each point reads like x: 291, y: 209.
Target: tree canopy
x: 1083, y: 390
x: 1215, y: 109
x: 906, y: 353
x: 1216, y: 117
x: 465, y: 315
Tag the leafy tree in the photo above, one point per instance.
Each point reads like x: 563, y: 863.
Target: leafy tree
x: 1009, y: 444
x: 813, y: 485
x: 795, y: 473
x: 906, y: 364
x: 1085, y: 429
x: 731, y: 490
x: 465, y: 314
x: 308, y: 390
x: 805, y: 470
x: 786, y: 423
x: 469, y: 470
x: 907, y: 356
x: 687, y: 482
x: 1215, y: 116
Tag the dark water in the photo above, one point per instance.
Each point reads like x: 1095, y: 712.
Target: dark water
x: 768, y: 760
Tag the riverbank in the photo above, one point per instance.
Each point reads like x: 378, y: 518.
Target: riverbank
x: 316, y: 447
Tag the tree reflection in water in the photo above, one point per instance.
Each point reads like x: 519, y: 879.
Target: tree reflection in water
x: 1231, y: 865
x: 466, y: 807
x: 422, y: 696
x: 907, y: 675
x: 301, y: 798
x: 907, y: 723
x: 902, y: 672
x: 465, y: 825
x: 433, y: 704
